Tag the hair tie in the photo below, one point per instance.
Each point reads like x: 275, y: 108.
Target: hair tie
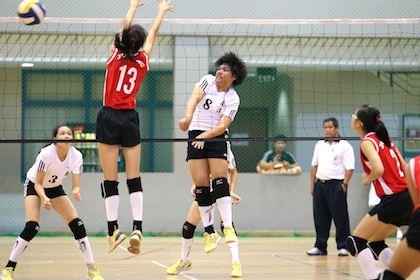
x: 378, y: 118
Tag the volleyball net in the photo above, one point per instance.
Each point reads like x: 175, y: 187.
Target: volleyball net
x: 300, y: 72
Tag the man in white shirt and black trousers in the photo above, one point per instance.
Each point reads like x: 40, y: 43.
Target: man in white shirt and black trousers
x: 332, y: 167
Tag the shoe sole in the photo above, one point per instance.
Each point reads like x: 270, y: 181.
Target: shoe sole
x: 179, y: 271
x: 134, y: 246
x: 211, y: 250
x: 117, y: 243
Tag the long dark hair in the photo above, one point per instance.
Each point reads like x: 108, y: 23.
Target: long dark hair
x: 372, y: 122
x: 236, y: 65
x: 130, y: 40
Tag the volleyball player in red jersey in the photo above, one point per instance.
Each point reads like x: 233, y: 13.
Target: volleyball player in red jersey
x: 383, y: 166
x: 118, y: 123
x: 406, y: 258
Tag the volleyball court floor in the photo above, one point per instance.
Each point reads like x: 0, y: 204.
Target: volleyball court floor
x: 261, y: 258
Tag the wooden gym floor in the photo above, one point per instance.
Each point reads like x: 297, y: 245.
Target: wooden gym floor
x: 261, y: 258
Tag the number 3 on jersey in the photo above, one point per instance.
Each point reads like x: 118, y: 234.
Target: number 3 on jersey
x: 127, y: 79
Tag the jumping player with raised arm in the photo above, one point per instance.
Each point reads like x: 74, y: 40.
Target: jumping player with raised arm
x: 118, y: 122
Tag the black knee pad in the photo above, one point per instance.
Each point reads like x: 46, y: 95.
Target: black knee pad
x: 109, y: 188
x: 30, y: 230
x: 203, y: 196
x: 377, y: 247
x: 389, y: 275
x: 188, y: 230
x: 78, y: 228
x: 220, y: 188
x: 134, y: 185
x: 355, y: 245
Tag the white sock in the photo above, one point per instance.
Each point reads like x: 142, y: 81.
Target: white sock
x: 385, y: 256
x: 367, y: 263
x: 18, y: 249
x: 207, y: 215
x: 186, y: 248
x: 84, y: 247
x: 224, y: 204
x: 111, y: 205
x: 234, y: 250
x: 136, y: 200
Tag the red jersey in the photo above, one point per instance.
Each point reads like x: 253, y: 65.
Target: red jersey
x: 414, y: 165
x: 123, y: 78
x: 392, y: 180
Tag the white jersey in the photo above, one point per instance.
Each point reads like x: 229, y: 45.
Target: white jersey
x: 213, y: 105
x: 55, y: 170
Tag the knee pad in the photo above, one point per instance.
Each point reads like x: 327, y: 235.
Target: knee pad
x: 355, y: 245
x: 134, y: 185
x: 390, y: 275
x: 203, y: 196
x: 78, y: 228
x: 188, y: 230
x: 220, y: 188
x: 109, y: 188
x: 377, y: 247
x: 30, y: 230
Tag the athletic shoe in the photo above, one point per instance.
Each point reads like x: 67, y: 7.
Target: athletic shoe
x: 230, y: 235
x: 178, y: 267
x: 343, y: 252
x: 135, y: 242
x: 236, y: 269
x: 114, y: 240
x: 316, y: 252
x: 93, y: 274
x: 7, y: 273
x: 210, y: 242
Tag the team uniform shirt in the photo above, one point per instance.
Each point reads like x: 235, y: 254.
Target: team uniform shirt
x: 285, y: 156
x: 213, y: 105
x: 414, y: 165
x: 123, y: 78
x: 55, y: 170
x: 333, y: 159
x: 392, y: 180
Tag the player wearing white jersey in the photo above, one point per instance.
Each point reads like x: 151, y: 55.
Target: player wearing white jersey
x: 53, y: 164
x: 193, y: 218
x: 210, y: 110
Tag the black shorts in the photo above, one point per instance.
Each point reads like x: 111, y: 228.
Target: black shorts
x: 118, y: 127
x: 50, y: 192
x: 212, y: 149
x: 413, y: 233
x: 394, y: 209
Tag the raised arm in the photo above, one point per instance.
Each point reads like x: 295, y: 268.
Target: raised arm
x: 134, y: 4
x: 163, y: 7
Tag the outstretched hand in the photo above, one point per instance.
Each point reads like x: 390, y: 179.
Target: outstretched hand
x: 136, y: 3
x: 164, y: 5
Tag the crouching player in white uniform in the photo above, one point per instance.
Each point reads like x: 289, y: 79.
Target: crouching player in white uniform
x: 43, y: 182
x: 406, y: 257
x: 194, y: 218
